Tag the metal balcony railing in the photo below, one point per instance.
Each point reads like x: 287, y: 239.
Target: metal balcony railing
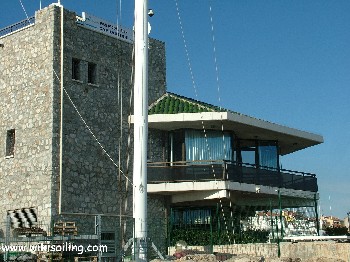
x: 16, y: 26
x: 160, y: 172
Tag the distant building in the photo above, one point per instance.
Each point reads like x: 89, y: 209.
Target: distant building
x: 331, y: 221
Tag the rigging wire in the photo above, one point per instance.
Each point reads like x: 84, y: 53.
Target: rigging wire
x: 90, y: 130
x: 25, y: 11
x: 202, y: 122
x: 215, y: 56
x: 186, y: 49
x: 119, y: 13
x: 219, y: 95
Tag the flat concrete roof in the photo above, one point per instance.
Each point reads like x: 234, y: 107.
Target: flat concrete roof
x: 245, y: 127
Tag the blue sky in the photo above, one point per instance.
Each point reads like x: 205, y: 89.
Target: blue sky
x: 283, y: 61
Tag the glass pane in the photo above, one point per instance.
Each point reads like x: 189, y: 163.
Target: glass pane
x: 211, y: 145
x: 268, y: 156
x: 248, y: 155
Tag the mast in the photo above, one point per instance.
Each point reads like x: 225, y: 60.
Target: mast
x: 140, y: 130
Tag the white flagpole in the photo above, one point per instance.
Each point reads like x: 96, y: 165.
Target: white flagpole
x: 140, y: 130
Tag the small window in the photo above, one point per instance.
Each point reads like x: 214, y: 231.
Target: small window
x: 75, y: 69
x: 92, y: 73
x: 10, y: 142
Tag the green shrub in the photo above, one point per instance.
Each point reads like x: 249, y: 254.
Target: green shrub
x: 201, y: 237
x: 336, y: 231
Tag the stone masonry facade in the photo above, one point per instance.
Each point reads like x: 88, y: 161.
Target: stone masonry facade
x: 26, y: 94
x: 30, y: 94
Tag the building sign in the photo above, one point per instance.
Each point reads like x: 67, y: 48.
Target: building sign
x: 105, y: 27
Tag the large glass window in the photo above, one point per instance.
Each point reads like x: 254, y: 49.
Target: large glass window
x: 191, y: 216
x: 268, y: 154
x: 248, y: 152
x: 259, y: 153
x: 208, y: 145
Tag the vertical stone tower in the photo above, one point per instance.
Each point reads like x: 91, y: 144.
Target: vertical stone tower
x: 97, y: 84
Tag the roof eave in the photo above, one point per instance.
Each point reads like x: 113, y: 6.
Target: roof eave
x: 245, y: 127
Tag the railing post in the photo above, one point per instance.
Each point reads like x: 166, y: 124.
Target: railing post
x: 257, y: 174
x: 240, y: 168
x: 280, y: 178
x: 224, y: 170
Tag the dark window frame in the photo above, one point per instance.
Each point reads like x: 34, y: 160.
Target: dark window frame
x: 10, y: 142
x: 253, y: 145
x: 92, y: 73
x: 76, y: 69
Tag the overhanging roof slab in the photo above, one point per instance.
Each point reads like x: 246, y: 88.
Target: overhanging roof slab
x: 245, y: 127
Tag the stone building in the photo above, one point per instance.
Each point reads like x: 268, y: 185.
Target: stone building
x: 60, y: 82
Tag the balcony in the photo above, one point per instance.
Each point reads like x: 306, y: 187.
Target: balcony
x: 165, y: 172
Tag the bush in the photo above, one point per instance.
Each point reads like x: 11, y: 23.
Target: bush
x: 336, y: 231
x: 202, y: 237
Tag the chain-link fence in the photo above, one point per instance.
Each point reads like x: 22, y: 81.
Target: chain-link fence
x: 76, y: 237
x: 274, y: 219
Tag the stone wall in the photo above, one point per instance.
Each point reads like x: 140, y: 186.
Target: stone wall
x: 303, y: 250
x: 327, y: 249
x: 158, y: 146
x: 26, y: 98
x: 158, y: 220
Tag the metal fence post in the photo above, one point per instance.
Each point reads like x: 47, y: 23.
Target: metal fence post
x: 218, y: 229
x: 170, y: 227
x: 7, y: 235
x: 98, y: 232
x: 211, y: 234
x: 317, y: 220
x: 271, y: 221
x: 280, y: 207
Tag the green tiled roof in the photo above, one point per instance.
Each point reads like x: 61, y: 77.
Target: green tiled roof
x: 171, y: 103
